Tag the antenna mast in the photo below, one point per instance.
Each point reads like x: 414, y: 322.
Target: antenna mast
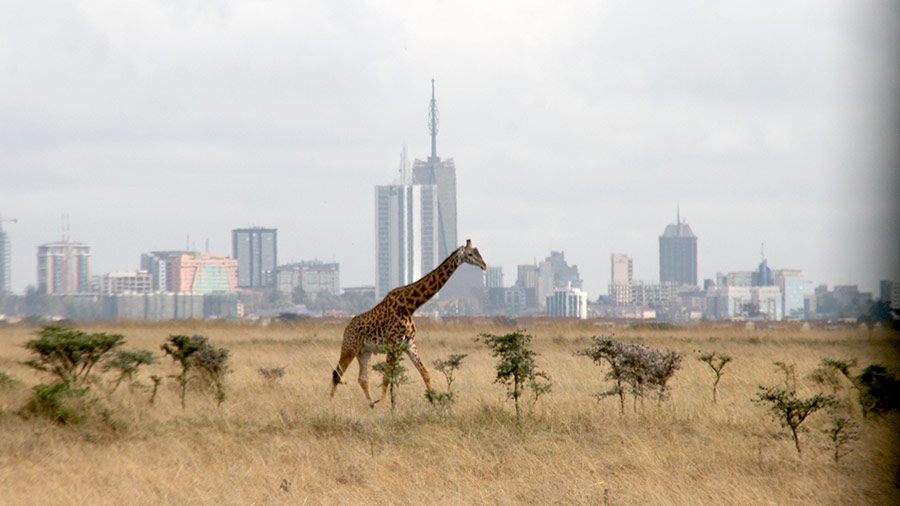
x: 404, y: 166
x: 433, y: 122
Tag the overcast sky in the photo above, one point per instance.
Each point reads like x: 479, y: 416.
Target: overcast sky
x: 575, y: 126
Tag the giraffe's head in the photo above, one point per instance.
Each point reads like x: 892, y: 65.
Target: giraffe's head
x: 471, y: 255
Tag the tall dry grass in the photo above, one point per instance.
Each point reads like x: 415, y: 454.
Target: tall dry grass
x: 286, y: 443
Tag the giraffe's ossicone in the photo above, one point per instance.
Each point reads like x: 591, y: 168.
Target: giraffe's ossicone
x: 391, y: 321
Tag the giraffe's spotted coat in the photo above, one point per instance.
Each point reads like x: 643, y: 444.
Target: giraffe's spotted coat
x: 391, y: 321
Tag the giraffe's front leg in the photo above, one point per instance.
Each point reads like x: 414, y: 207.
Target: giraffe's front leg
x: 413, y: 354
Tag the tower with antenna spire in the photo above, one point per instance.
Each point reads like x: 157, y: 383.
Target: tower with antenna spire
x: 443, y: 174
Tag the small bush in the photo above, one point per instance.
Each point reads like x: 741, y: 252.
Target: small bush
x: 182, y: 349
x: 392, y: 371
x: 516, y: 368
x: 70, y: 354
x: 716, y: 363
x: 127, y: 364
x: 879, y: 390
x: 446, y: 367
x: 213, y: 365
x: 841, y: 431
x: 789, y: 410
x: 59, y: 402
x: 641, y: 368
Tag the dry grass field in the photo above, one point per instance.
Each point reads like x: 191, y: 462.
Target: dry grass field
x: 287, y: 443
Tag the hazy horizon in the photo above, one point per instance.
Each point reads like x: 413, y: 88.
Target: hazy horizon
x: 579, y: 128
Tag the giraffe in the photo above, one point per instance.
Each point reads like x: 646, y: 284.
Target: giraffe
x: 391, y: 321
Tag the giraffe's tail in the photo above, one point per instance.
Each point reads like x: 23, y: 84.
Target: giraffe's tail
x: 335, y: 378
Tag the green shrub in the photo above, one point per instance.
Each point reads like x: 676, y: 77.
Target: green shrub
x: 789, y: 410
x: 879, y: 390
x: 516, y: 368
x: 716, y: 363
x: 641, y: 368
x: 127, y: 364
x: 58, y: 402
x: 70, y: 354
x: 392, y: 371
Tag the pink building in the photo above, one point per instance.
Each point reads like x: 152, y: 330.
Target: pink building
x: 201, y: 273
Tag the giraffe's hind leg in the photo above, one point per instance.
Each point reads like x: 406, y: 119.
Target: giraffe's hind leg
x: 363, y: 359
x: 347, y: 356
x: 414, y: 358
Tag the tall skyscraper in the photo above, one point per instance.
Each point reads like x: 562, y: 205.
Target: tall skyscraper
x: 468, y: 280
x: 256, y: 250
x: 678, y: 254
x: 621, y: 276
x: 443, y: 175
x: 64, y: 267
x: 4, y: 259
x: 406, y: 239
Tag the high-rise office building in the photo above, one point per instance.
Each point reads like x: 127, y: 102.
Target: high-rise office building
x: 443, y: 175
x: 201, y: 273
x: 406, y: 242
x: 468, y: 280
x: 256, y: 250
x: 154, y: 262
x: 494, y: 277
x: 4, y: 260
x: 678, y: 254
x: 64, y: 267
x: 621, y: 275
x: 567, y: 302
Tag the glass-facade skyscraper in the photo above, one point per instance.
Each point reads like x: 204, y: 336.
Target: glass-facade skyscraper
x: 678, y: 254
x: 256, y: 250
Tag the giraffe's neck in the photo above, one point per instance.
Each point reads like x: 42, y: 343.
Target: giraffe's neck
x: 414, y: 295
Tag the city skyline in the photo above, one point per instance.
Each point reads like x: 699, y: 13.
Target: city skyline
x: 579, y: 128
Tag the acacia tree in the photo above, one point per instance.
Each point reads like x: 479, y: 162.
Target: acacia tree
x: 182, y: 349
x: 446, y: 367
x: 127, y: 364
x: 392, y: 371
x: 516, y: 368
x: 641, y: 368
x: 70, y: 354
x: 789, y: 410
x: 716, y: 363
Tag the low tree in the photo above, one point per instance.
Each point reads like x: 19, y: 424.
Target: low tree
x: 841, y: 431
x: 127, y: 364
x: 516, y: 368
x: 790, y: 374
x: 789, y: 410
x: 877, y: 389
x: 70, y: 354
x: 446, y: 367
x: 716, y: 363
x: 182, y: 349
x: 213, y: 365
x: 392, y: 371
x: 641, y: 368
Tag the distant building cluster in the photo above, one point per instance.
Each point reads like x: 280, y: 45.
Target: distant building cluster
x: 415, y: 229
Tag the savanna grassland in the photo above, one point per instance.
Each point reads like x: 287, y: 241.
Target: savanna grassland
x: 284, y: 442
